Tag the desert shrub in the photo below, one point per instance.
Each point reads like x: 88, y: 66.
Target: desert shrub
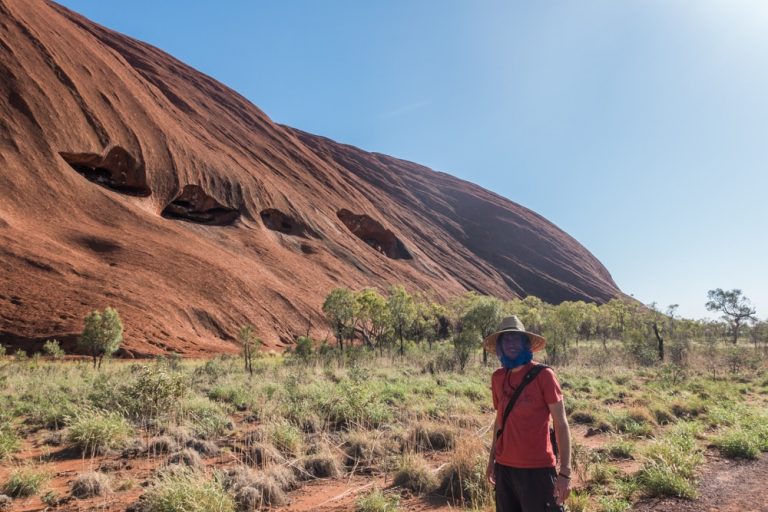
x: 204, y: 447
x: 613, y: 504
x: 161, y: 444
x: 578, y: 501
x: 2, y: 351
x: 186, y: 457
x: 304, y: 348
x: 321, y: 465
x: 206, y: 419
x: 361, y: 452
x: 463, y: 480
x: 670, y: 464
x: 155, y: 392
x: 285, y: 437
x: 431, y: 437
x: 254, y: 491
x: 414, y: 474
x: 102, y: 334
x: 91, y: 484
x: 9, y: 440
x: 582, y: 417
x: 620, y: 449
x: 51, y: 408
x: 51, y: 348
x: 635, y: 422
x: 377, y: 501
x: 24, y: 482
x: 261, y: 454
x: 688, y: 408
x: 603, y: 474
x: 235, y: 395
x: 94, y: 432
x: 186, y: 490
x: 738, y: 443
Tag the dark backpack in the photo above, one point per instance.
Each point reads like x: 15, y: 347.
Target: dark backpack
x: 532, y: 373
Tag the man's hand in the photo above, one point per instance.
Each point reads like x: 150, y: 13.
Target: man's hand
x: 562, y: 489
x: 490, y: 473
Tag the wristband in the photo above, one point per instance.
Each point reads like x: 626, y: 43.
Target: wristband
x: 567, y: 477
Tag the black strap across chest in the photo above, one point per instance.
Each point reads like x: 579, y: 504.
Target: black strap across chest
x: 532, y: 373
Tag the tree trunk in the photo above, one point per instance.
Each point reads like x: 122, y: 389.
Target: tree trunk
x: 660, y: 340
x: 736, y: 327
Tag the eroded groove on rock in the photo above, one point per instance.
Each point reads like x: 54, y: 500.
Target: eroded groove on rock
x: 117, y: 170
x: 374, y: 234
x: 279, y: 221
x: 195, y: 205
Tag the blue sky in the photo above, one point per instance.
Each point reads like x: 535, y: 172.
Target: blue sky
x: 639, y: 127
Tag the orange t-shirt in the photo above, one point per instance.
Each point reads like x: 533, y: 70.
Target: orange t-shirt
x: 525, y: 443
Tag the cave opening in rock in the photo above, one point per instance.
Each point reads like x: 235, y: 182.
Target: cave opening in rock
x: 281, y: 222
x: 195, y: 205
x: 374, y: 234
x: 117, y: 170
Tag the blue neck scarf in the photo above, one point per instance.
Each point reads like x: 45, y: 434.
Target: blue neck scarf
x: 522, y: 358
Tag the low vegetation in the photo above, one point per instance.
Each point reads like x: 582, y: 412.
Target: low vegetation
x: 406, y: 399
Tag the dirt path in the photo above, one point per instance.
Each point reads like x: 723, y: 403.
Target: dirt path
x: 726, y: 486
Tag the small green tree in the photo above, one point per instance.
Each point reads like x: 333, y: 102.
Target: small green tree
x: 249, y: 341
x: 482, y: 317
x: 402, y: 312
x: 341, y: 310
x: 102, y: 334
x: 464, y: 343
x: 735, y: 307
x: 304, y: 348
x: 51, y: 348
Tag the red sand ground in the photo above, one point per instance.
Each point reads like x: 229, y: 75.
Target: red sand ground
x: 209, y: 215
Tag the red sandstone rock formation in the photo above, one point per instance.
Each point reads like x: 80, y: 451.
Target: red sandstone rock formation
x: 129, y: 179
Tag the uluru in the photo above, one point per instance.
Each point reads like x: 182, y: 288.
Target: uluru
x: 129, y: 179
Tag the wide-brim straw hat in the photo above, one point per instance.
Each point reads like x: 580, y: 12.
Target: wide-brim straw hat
x: 513, y: 324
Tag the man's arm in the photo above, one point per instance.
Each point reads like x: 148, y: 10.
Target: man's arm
x: 490, y: 472
x: 563, y: 436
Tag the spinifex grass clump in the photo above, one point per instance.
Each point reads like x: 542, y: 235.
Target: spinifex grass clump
x: 186, y: 490
x: 9, y: 440
x: 414, y: 474
x: 95, y: 432
x: 463, y: 479
x: 91, y: 484
x: 377, y: 501
x: 670, y: 464
x: 24, y: 482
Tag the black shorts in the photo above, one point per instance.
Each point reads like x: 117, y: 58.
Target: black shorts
x: 526, y: 490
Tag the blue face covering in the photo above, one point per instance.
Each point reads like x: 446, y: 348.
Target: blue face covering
x: 524, y: 356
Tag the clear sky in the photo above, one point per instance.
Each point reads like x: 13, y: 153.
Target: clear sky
x: 640, y: 127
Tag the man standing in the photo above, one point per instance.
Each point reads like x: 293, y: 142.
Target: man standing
x: 523, y: 458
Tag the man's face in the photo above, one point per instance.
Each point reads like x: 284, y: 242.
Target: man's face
x: 511, y: 344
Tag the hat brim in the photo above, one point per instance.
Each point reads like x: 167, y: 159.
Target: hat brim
x: 537, y: 341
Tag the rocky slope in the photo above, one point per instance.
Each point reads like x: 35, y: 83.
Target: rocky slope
x: 129, y: 179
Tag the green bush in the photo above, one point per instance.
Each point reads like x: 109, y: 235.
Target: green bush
x: 186, y: 490
x: 738, y: 443
x: 24, y: 482
x: 9, y: 441
x: 670, y: 465
x: 206, y: 419
x: 95, y: 432
x: 51, y: 348
x: 102, y: 334
x: 377, y: 501
x: 414, y: 474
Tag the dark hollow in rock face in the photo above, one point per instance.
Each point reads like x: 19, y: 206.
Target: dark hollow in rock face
x: 195, y: 205
x: 281, y: 222
x: 374, y: 234
x: 117, y: 170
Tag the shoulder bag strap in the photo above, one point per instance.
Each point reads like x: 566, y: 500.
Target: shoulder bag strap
x: 532, y: 373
